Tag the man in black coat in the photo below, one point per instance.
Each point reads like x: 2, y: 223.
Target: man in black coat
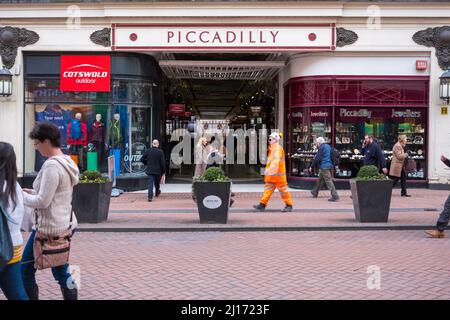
x: 373, y: 155
x: 154, y: 159
x: 444, y: 217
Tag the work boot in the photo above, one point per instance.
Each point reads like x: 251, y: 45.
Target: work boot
x: 69, y: 294
x: 287, y: 209
x: 32, y: 293
x: 435, y: 234
x: 260, y: 207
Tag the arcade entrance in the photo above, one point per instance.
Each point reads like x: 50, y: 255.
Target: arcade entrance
x: 210, y: 93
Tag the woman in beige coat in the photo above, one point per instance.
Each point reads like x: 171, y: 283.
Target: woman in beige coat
x: 397, y: 171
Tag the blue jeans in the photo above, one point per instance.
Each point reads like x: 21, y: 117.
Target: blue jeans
x: 61, y: 273
x: 11, y: 282
x: 153, y: 179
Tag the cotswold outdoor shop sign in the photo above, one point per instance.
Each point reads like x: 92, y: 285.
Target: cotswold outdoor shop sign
x: 223, y: 37
x: 85, y: 73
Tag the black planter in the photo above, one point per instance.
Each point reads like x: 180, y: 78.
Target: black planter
x: 91, y: 201
x: 371, y: 200
x: 213, y: 200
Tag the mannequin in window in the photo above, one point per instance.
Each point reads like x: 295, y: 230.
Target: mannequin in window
x: 98, y: 137
x: 77, y: 138
x: 115, y: 141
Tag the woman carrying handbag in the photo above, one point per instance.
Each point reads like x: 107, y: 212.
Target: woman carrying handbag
x: 397, y: 170
x: 51, y: 197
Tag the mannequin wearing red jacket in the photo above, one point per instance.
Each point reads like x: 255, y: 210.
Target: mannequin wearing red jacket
x: 76, y: 144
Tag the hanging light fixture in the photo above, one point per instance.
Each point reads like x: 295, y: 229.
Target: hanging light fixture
x: 5, y: 82
x: 444, y: 86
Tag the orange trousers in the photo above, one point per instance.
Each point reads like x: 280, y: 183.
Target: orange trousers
x: 269, y: 188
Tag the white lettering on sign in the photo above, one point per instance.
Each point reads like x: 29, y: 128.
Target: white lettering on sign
x: 273, y: 36
x: 212, y: 202
x: 356, y: 113
x: 406, y: 114
x: 319, y: 114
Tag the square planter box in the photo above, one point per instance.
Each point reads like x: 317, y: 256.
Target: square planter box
x: 91, y: 201
x: 213, y: 201
x: 371, y: 200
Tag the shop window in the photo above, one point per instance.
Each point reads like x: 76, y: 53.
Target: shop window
x: 385, y: 124
x: 93, y: 125
x: 307, y: 124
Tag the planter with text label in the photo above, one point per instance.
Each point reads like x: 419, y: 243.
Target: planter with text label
x: 213, y: 193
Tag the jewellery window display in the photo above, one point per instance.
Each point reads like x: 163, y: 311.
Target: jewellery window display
x: 307, y: 125
x: 385, y: 124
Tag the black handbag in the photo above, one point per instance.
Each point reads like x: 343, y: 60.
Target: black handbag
x: 6, y: 245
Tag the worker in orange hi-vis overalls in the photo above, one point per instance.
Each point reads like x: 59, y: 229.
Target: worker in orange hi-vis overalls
x: 275, y: 175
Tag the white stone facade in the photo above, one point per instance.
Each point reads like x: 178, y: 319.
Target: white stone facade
x: 384, y: 46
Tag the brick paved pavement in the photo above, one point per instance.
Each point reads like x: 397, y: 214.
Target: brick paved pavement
x: 257, y: 265
x: 178, y: 211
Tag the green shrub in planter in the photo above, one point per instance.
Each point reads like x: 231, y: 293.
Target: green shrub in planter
x: 91, y: 197
x: 93, y: 177
x: 212, y: 193
x: 370, y: 173
x: 371, y: 195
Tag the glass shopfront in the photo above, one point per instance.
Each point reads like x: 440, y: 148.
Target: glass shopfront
x: 93, y: 125
x: 386, y: 116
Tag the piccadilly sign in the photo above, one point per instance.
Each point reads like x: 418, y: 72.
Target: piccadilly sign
x: 319, y: 37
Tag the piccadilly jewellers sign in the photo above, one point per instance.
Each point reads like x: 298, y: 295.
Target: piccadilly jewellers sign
x: 223, y: 37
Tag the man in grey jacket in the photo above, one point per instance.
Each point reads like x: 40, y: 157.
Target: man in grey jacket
x: 444, y: 217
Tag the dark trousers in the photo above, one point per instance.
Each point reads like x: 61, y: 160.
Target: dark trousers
x: 325, y: 177
x: 444, y: 217
x: 153, y: 179
x: 61, y: 273
x: 100, y: 148
x: 11, y: 282
x: 402, y: 179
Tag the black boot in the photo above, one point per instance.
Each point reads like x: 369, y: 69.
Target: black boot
x: 69, y: 294
x: 260, y: 207
x: 33, y: 293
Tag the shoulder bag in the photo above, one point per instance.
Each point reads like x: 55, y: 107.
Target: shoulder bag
x: 52, y: 251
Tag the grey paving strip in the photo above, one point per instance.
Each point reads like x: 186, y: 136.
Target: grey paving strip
x: 267, y: 210
x: 259, y: 229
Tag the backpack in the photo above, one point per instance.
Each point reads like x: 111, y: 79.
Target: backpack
x: 75, y: 129
x: 6, y: 245
x: 335, y: 156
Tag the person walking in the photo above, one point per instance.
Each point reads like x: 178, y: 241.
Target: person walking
x: 11, y: 200
x: 51, y: 197
x: 322, y: 160
x: 201, y: 155
x: 444, y: 217
x: 373, y: 155
x: 155, y: 161
x: 397, y: 170
x: 275, y: 175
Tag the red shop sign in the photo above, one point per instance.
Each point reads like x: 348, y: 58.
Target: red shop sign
x: 421, y: 64
x: 176, y: 109
x: 85, y: 73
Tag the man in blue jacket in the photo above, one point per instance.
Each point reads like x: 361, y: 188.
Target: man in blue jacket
x: 444, y: 217
x: 323, y: 161
x: 373, y: 155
